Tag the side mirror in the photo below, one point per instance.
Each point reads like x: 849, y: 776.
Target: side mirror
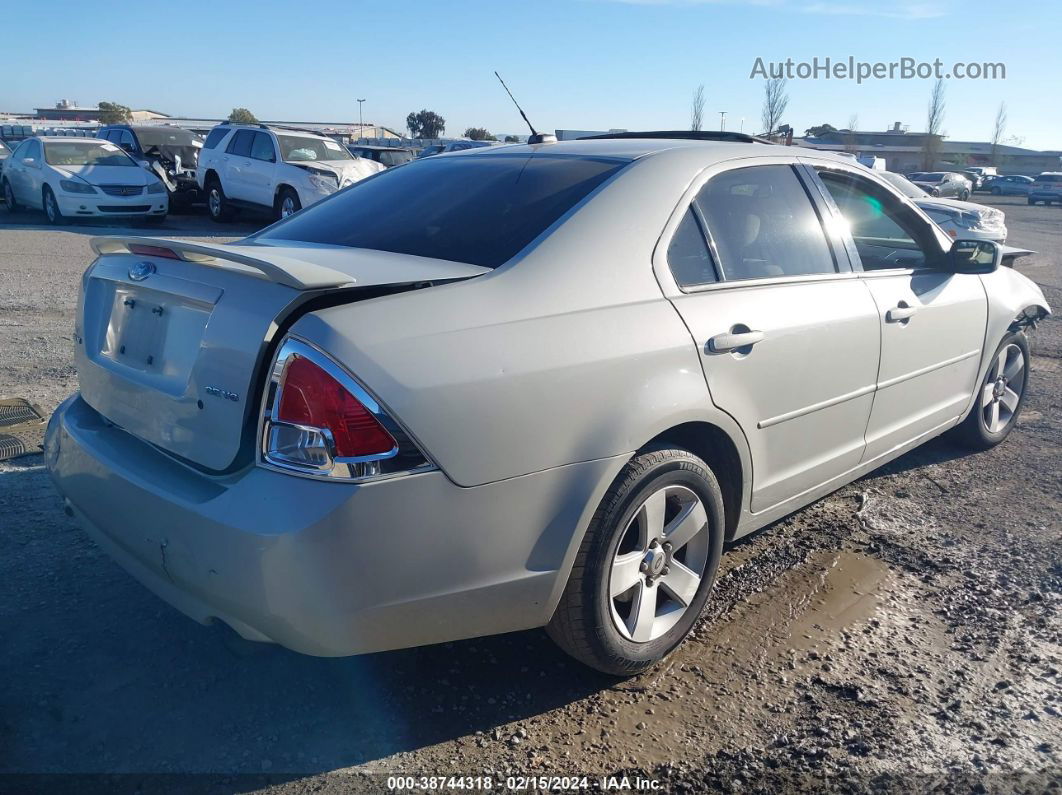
x: 974, y: 256
x: 29, y: 161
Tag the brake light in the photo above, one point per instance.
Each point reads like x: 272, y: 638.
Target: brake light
x: 152, y: 251
x: 311, y: 397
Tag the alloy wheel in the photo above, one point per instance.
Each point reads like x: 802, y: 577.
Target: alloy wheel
x: 9, y: 196
x: 1002, y: 390
x: 214, y: 202
x: 658, y: 565
x: 50, y: 208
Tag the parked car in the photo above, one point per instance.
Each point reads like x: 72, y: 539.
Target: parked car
x: 519, y: 387
x: 81, y: 178
x: 279, y: 168
x: 461, y: 146
x: 959, y: 219
x: 5, y: 153
x: 978, y: 174
x: 1046, y: 188
x: 170, y: 152
x: 387, y: 156
x: 943, y: 184
x: 1009, y: 185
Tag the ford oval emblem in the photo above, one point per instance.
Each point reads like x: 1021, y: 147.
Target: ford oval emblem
x: 141, y: 271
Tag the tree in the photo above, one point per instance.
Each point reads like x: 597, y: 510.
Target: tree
x: 851, y: 142
x: 242, y: 116
x: 425, y: 124
x: 479, y: 134
x: 113, y: 113
x: 998, y: 131
x: 819, y: 130
x: 775, y: 101
x: 934, y: 122
x: 511, y: 139
x: 697, y: 109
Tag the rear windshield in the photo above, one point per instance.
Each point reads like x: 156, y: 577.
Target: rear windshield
x: 1049, y: 178
x: 477, y: 209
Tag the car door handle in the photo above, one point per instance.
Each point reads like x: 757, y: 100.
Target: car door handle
x: 900, y: 313
x: 721, y: 343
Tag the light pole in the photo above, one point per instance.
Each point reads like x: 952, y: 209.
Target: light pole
x: 361, y: 122
x: 722, y: 120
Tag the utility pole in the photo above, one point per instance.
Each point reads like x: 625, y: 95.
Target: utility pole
x: 722, y: 120
x: 361, y: 121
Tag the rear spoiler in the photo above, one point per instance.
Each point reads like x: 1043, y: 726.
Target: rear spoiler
x: 285, y: 270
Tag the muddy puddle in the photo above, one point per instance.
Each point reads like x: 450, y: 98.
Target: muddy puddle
x: 711, y: 693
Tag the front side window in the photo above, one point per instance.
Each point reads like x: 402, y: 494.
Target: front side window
x: 126, y: 141
x: 478, y: 210
x: 887, y: 234
x: 85, y: 153
x: 262, y: 148
x: 763, y: 224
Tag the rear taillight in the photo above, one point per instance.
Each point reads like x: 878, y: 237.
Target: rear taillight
x: 319, y: 421
x: 309, y: 396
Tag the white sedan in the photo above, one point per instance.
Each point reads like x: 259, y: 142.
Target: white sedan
x: 960, y: 219
x: 80, y: 178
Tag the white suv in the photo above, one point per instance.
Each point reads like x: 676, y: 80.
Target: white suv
x: 275, y: 167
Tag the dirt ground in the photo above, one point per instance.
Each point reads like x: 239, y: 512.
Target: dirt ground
x: 904, y: 633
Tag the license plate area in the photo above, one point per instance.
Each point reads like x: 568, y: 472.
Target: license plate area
x: 150, y: 335
x: 136, y: 329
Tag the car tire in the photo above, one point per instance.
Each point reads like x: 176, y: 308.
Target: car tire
x: 218, y: 207
x: 51, y: 207
x: 287, y: 203
x: 9, y: 197
x: 964, y: 196
x: 1032, y: 202
x: 997, y: 192
x: 644, y: 507
x: 998, y: 404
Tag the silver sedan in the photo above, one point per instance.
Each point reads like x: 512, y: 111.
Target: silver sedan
x: 521, y: 386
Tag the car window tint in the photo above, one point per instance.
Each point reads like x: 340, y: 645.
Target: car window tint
x: 688, y: 255
x: 887, y: 233
x: 33, y: 150
x: 262, y: 148
x: 763, y: 224
x: 480, y: 210
x: 214, y: 137
x: 241, y: 143
x: 126, y: 140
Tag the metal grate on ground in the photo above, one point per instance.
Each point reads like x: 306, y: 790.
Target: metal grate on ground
x: 21, y: 428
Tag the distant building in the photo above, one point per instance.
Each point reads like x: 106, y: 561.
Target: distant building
x: 902, y: 151
x: 65, y: 110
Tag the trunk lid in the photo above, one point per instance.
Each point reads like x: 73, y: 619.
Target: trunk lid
x: 171, y: 340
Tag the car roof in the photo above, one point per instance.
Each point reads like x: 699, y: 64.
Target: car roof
x: 72, y: 138
x: 623, y: 148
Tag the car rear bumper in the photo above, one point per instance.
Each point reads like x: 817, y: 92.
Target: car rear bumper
x: 327, y: 569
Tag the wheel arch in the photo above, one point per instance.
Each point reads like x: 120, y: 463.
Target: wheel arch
x: 717, y: 449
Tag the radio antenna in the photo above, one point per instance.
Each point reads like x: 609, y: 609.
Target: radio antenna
x: 536, y: 137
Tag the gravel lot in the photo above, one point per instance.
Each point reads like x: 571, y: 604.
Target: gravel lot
x: 904, y: 632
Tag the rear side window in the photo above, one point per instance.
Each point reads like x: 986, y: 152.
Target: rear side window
x: 1049, y: 178
x: 214, y: 137
x: 763, y: 224
x: 480, y: 210
x: 687, y: 254
x: 241, y: 143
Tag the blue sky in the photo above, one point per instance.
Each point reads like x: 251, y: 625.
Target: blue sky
x: 583, y: 64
